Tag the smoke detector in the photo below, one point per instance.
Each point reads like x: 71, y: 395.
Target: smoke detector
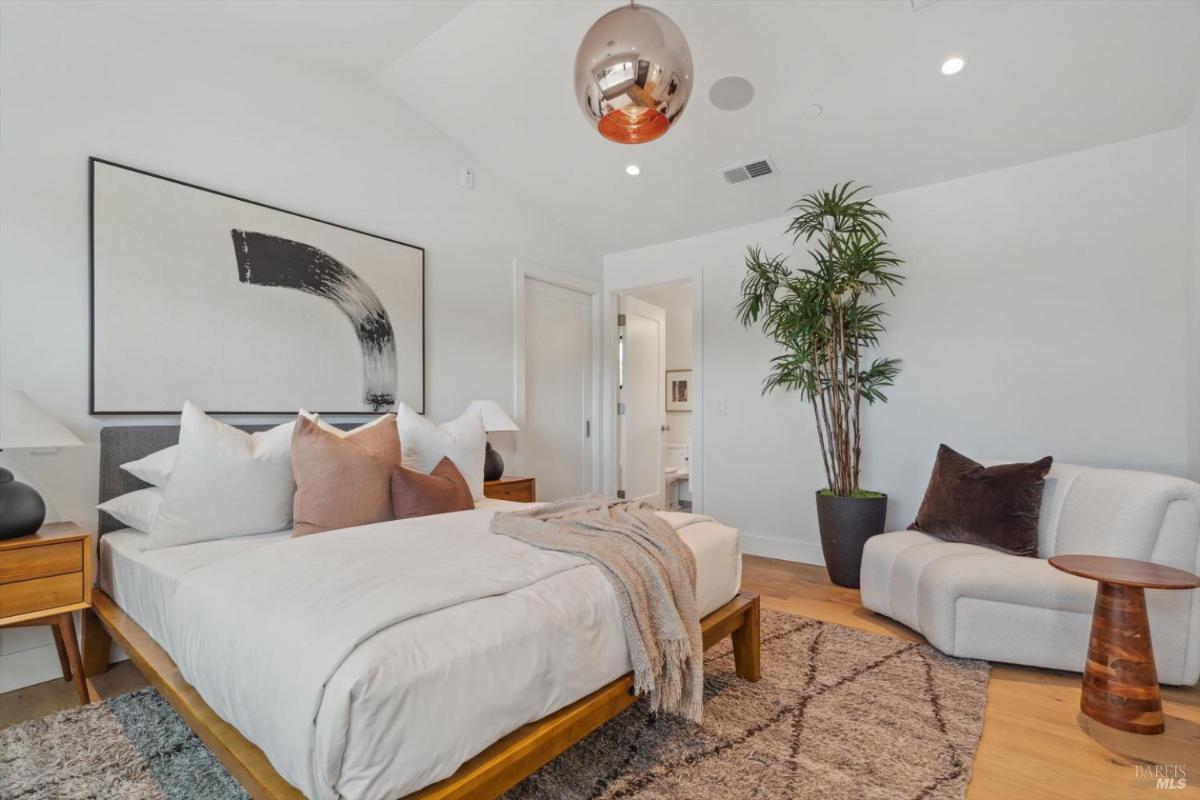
x: 751, y: 170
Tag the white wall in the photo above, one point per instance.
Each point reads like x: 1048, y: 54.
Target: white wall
x: 74, y: 82
x: 1044, y: 313
x: 676, y: 301
x: 1193, y: 159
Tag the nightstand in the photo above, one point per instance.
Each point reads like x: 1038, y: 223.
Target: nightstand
x: 44, y: 579
x: 520, y: 490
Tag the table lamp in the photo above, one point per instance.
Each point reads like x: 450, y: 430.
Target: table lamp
x: 25, y: 425
x: 494, y: 419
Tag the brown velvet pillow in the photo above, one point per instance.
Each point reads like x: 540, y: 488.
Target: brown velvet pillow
x: 415, y: 494
x: 343, y: 479
x: 995, y: 507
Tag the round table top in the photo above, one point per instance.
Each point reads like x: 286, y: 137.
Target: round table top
x: 1126, y: 572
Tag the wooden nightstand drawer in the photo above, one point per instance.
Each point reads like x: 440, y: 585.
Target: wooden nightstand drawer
x: 41, y: 562
x: 41, y: 593
x: 519, y: 490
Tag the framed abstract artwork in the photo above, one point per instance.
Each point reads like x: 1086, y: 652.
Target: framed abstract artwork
x: 244, y: 308
x: 679, y: 386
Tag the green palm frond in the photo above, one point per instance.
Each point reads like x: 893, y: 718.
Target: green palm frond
x: 822, y: 319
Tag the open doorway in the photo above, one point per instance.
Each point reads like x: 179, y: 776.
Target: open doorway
x: 656, y: 395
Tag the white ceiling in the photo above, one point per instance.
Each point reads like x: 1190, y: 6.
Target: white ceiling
x: 1042, y: 78
x: 356, y: 37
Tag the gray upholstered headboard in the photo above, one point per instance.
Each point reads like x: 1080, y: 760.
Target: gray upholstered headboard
x: 120, y: 444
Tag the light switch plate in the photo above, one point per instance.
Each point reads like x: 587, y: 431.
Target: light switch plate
x: 719, y: 404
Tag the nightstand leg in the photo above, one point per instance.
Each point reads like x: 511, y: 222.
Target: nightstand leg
x: 63, y: 660
x: 66, y: 626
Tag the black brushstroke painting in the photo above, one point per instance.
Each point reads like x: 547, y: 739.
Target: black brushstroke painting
x: 265, y: 260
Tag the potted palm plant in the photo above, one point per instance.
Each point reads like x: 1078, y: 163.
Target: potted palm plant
x: 825, y: 320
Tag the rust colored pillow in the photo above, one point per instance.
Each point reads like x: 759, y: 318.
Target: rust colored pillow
x: 415, y: 494
x: 342, y: 479
x: 995, y: 507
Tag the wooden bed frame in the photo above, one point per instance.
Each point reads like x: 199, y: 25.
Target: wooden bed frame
x: 488, y: 775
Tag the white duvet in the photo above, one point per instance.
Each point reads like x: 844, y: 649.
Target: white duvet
x: 371, y: 662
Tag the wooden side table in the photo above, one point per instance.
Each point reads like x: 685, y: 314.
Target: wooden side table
x: 1120, y: 680
x: 44, y: 579
x: 520, y: 490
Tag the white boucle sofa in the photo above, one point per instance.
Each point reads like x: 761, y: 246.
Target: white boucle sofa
x: 974, y: 602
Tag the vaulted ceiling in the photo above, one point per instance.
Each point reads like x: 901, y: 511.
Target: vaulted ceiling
x: 1042, y: 79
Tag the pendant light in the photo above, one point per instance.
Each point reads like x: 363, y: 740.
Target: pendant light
x: 633, y: 74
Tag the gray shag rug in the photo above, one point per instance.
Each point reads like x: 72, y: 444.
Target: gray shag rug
x: 132, y: 747
x: 838, y: 714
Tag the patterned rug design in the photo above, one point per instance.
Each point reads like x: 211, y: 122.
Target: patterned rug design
x: 838, y: 714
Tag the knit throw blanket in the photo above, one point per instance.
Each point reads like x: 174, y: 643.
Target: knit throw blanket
x: 654, y: 575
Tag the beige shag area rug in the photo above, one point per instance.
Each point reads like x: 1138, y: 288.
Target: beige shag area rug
x: 838, y: 715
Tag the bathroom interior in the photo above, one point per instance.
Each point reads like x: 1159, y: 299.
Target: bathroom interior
x: 665, y: 434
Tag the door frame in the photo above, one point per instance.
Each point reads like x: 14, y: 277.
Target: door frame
x: 614, y: 285
x: 523, y: 269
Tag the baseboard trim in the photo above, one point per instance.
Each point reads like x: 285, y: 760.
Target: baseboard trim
x: 786, y: 549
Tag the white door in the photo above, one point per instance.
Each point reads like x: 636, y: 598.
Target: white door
x: 643, y: 400
x: 555, y: 436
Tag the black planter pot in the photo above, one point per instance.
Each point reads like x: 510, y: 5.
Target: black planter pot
x: 21, y: 507
x: 846, y: 523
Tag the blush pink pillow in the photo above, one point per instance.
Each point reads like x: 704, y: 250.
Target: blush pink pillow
x: 343, y: 479
x: 415, y: 494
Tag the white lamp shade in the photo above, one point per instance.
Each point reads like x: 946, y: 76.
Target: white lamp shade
x: 25, y: 424
x: 494, y: 417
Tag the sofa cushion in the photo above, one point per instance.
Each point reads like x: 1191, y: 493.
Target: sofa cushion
x: 892, y: 567
x: 879, y: 557
x: 910, y: 567
x: 1003, y: 578
x: 990, y: 506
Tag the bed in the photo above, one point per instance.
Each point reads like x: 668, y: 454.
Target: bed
x: 452, y: 688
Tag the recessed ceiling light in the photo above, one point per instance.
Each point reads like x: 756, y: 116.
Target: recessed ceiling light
x: 633, y: 169
x: 953, y: 66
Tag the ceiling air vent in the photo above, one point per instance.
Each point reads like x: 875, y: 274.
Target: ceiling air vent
x: 759, y: 168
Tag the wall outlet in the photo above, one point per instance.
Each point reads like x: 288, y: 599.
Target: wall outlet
x: 719, y: 406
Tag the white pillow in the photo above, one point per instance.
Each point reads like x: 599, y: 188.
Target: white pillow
x: 137, y: 509
x: 154, y: 469
x: 225, y: 483
x: 423, y: 444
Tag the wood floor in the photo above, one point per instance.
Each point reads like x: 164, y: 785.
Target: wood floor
x: 1035, y: 742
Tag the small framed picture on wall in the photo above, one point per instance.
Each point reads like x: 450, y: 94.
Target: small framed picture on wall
x: 679, y: 390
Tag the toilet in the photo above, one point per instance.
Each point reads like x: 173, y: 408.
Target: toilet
x: 678, y: 471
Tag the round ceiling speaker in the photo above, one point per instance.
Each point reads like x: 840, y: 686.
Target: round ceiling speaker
x: 633, y: 74
x: 731, y: 93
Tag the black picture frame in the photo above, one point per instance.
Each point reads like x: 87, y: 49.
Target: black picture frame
x: 93, y: 411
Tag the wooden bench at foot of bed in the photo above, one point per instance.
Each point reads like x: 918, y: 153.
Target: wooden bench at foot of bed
x: 488, y: 775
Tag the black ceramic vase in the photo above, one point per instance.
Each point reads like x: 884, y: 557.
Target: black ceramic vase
x: 846, y: 523
x: 493, y: 464
x: 21, y: 507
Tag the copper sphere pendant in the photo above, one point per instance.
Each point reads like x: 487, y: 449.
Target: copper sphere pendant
x: 633, y: 74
